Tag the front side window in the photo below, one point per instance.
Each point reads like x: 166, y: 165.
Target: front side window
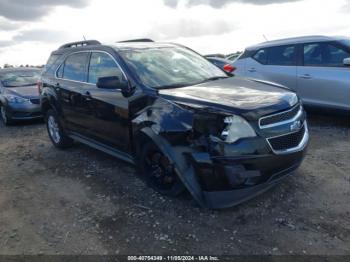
x: 345, y: 42
x: 75, y: 67
x: 324, y: 54
x: 166, y: 67
x: 102, y: 65
x: 19, y: 78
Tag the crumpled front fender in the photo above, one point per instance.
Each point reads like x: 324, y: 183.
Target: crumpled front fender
x: 176, y: 154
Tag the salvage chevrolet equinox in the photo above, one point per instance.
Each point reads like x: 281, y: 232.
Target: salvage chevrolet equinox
x: 181, y: 120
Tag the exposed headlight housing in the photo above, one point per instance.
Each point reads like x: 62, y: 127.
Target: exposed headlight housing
x: 12, y: 99
x: 236, y: 128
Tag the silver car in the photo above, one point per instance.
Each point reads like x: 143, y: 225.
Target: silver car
x: 316, y: 67
x: 19, y: 95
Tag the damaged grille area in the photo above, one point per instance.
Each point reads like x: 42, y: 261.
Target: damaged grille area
x: 287, y: 141
x: 280, y: 117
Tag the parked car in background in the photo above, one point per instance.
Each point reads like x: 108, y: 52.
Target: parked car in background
x: 316, y: 67
x: 178, y: 117
x: 216, y: 55
x: 233, y: 57
x: 19, y: 95
x: 223, y: 64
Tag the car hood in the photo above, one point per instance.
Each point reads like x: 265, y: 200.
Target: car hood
x: 244, y: 96
x: 24, y: 91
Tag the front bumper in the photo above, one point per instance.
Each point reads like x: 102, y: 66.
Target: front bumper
x: 226, y: 181
x: 25, y: 111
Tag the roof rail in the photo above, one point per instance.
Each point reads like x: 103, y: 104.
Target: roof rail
x: 137, y: 40
x: 80, y: 44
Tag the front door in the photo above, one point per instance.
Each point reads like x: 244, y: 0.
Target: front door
x: 323, y: 79
x: 109, y: 108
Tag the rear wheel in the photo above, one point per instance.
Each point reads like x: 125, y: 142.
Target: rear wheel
x: 7, y: 120
x: 158, y: 171
x: 56, y: 132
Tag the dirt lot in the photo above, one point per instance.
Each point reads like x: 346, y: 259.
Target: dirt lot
x: 82, y: 201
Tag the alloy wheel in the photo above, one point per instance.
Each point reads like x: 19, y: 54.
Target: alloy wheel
x: 54, y: 129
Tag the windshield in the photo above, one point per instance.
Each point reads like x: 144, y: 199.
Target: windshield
x: 168, y: 67
x: 19, y: 78
x: 346, y: 42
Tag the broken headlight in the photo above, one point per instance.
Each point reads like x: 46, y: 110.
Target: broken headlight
x: 236, y: 128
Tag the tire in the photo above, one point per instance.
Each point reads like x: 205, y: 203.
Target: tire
x: 158, y: 172
x: 5, y: 119
x: 56, y: 132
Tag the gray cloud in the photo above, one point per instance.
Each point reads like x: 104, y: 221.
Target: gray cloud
x: 6, y: 25
x: 346, y: 7
x: 221, y: 3
x: 28, y: 10
x: 41, y: 35
x: 5, y: 43
x: 190, y: 28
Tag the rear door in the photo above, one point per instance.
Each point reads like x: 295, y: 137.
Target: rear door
x: 71, y: 89
x: 275, y: 64
x: 323, y: 80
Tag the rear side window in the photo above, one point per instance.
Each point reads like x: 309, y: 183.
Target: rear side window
x: 50, y: 66
x: 324, y: 54
x: 75, y: 67
x: 51, y: 60
x: 279, y: 55
x: 261, y: 56
x: 102, y: 65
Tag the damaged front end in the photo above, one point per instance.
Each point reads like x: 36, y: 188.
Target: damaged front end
x: 220, y: 157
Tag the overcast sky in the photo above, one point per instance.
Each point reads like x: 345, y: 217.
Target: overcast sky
x: 31, y: 29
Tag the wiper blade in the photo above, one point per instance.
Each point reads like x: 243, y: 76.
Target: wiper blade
x: 172, y: 86
x: 192, y: 84
x: 215, y: 78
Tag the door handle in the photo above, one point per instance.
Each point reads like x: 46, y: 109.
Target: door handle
x: 57, y: 86
x: 87, y: 96
x: 252, y: 70
x: 306, y: 76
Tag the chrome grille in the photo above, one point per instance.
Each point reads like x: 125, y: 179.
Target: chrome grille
x: 280, y: 118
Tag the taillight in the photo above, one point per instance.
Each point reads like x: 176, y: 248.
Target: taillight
x: 229, y: 68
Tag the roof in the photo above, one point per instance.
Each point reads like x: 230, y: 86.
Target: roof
x: 129, y: 45
x: 140, y: 45
x: 296, y: 40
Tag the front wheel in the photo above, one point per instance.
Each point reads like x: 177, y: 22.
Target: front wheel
x: 158, y: 171
x: 56, y: 132
x: 7, y: 120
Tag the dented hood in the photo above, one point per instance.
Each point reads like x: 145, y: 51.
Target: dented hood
x: 235, y: 94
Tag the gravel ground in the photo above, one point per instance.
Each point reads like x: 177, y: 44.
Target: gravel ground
x: 82, y: 201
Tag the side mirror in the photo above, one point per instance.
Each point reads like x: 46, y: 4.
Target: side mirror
x: 113, y: 82
x: 347, y: 61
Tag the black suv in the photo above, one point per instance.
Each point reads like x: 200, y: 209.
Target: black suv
x: 184, y: 122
